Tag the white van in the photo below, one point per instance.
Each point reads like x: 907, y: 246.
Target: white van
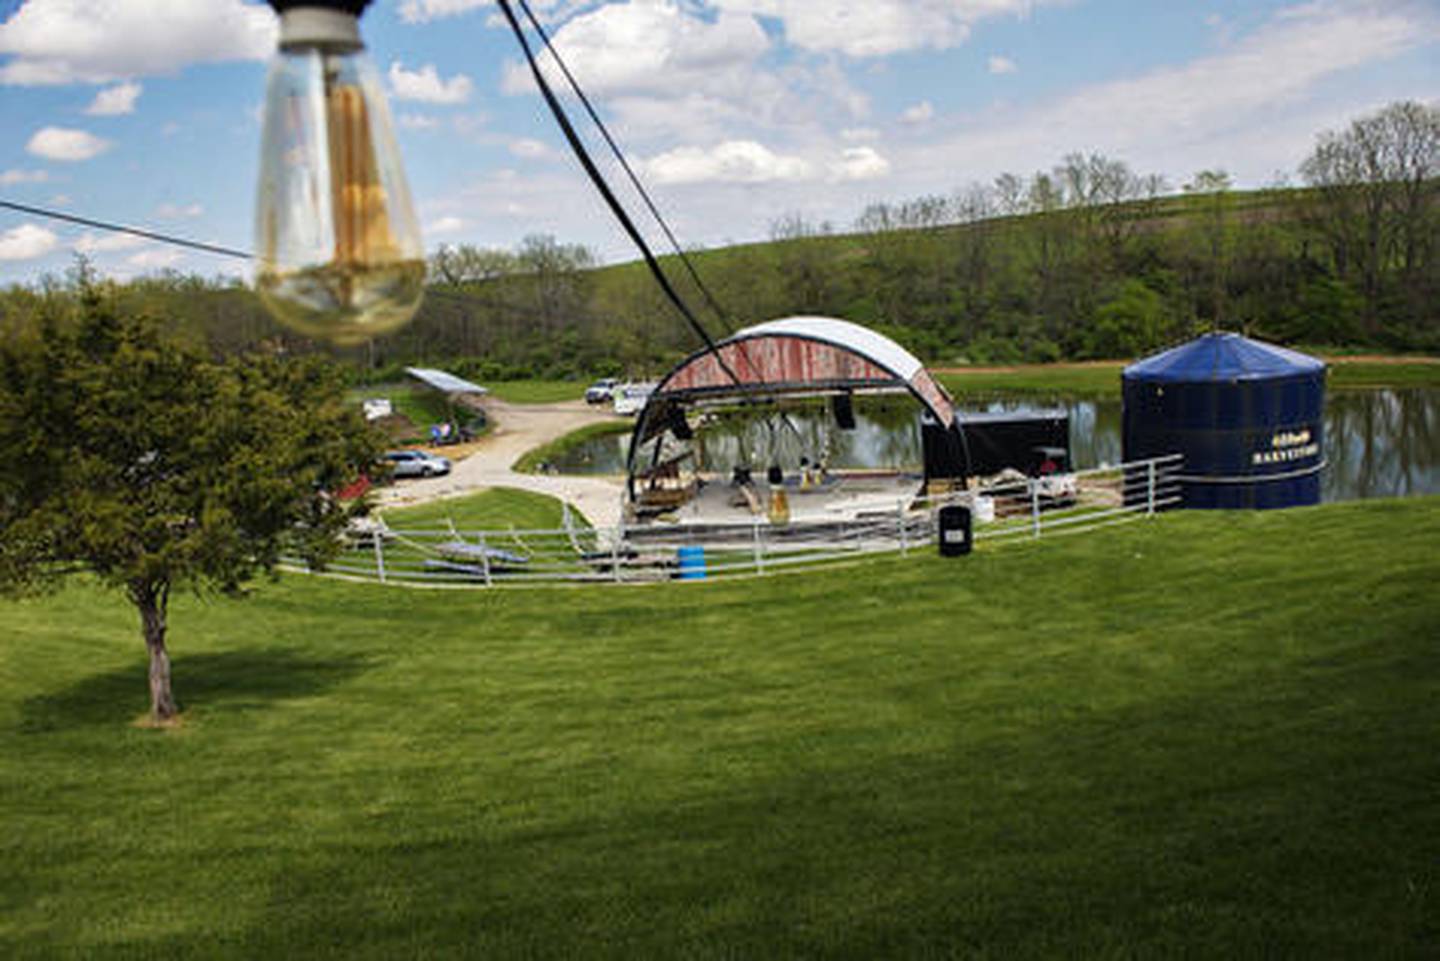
x: 630, y: 398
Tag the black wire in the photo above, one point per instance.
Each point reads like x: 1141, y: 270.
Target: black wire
x: 720, y: 312
x: 598, y: 180
x: 122, y: 229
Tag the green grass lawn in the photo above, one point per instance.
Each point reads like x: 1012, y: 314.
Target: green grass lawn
x: 492, y: 509
x: 1345, y: 373
x: 1103, y: 379
x: 421, y: 405
x: 1210, y: 735
x: 537, y: 391
x: 1096, y: 380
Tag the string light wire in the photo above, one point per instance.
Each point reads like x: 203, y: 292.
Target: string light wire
x: 122, y: 229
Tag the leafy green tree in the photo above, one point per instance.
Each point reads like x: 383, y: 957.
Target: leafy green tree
x: 134, y: 457
x: 1216, y: 239
x: 1376, y: 196
x: 1130, y: 323
x: 468, y: 264
x: 1328, y: 311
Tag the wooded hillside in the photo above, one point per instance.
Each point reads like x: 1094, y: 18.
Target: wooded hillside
x: 1089, y: 259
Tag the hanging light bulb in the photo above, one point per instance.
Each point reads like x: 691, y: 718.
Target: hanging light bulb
x: 338, y: 248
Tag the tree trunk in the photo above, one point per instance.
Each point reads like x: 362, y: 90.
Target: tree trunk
x: 151, y: 600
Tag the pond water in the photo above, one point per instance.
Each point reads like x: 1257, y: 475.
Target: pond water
x: 1378, y: 443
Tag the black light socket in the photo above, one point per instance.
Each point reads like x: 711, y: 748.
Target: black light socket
x: 354, y: 7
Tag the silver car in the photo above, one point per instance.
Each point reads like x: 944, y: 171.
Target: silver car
x: 601, y: 391
x: 416, y: 463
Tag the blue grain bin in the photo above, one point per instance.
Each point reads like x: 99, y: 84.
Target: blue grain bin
x: 1248, y: 416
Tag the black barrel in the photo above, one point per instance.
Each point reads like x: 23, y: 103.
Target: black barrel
x: 955, y: 535
x: 1247, y: 416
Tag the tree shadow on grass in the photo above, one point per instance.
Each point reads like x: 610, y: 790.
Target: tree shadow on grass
x: 231, y: 681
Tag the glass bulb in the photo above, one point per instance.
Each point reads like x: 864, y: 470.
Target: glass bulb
x: 339, y: 250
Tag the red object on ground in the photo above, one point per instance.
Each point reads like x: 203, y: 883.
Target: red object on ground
x: 355, y: 489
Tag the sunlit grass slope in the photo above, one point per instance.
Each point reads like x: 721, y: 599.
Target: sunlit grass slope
x: 537, y: 391
x: 1102, y: 378
x: 492, y: 509
x: 1211, y: 735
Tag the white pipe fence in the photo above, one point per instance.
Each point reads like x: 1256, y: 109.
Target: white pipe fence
x: 1020, y: 508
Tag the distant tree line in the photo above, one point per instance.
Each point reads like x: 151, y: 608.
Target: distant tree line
x: 1088, y: 259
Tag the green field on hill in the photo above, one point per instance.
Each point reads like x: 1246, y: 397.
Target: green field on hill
x: 1212, y: 735
x: 1102, y: 378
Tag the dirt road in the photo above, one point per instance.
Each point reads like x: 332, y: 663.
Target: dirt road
x: 520, y: 428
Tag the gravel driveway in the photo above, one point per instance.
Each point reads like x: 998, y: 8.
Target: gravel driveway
x: 519, y: 428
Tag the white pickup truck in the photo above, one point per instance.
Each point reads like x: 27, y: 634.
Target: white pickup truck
x: 630, y: 398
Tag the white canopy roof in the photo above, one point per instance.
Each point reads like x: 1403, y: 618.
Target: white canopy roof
x: 442, y: 380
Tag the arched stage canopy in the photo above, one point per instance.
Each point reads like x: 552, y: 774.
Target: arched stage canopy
x: 804, y: 355
x: 792, y: 357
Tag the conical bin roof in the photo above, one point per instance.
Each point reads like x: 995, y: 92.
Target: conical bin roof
x: 1224, y: 358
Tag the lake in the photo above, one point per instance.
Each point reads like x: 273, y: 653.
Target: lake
x: 1378, y: 443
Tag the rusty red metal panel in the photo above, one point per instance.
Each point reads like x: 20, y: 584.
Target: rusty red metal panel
x: 778, y: 360
x: 926, y: 386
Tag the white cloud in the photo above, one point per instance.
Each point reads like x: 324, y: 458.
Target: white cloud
x: 156, y: 258
x: 426, y: 86
x: 89, y: 41
x: 999, y: 65
x: 62, y: 143
x: 116, y: 100
x: 529, y: 149
x: 1228, y: 108
x: 178, y: 211
x: 10, y: 178
x: 417, y: 121
x: 921, y: 112
x: 878, y: 28
x: 735, y: 161
x: 444, y: 225
x: 92, y: 243
x: 674, y: 71
x: 859, y: 134
x: 26, y: 242
x: 650, y: 46
x: 859, y: 163
x: 423, y: 11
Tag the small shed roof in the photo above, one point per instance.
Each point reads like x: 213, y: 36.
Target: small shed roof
x: 1222, y: 357
x: 447, y: 382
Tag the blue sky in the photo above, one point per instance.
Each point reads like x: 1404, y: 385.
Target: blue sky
x: 736, y: 112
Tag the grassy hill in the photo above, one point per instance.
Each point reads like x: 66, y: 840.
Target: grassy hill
x: 1211, y: 735
x: 953, y: 281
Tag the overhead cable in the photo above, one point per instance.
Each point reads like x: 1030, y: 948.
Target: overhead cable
x: 596, y: 178
x: 720, y: 312
x: 122, y: 229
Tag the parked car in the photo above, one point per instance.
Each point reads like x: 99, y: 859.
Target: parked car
x: 630, y: 399
x: 416, y: 463
x: 601, y: 391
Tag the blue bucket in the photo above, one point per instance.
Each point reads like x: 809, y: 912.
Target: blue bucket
x: 692, y: 562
